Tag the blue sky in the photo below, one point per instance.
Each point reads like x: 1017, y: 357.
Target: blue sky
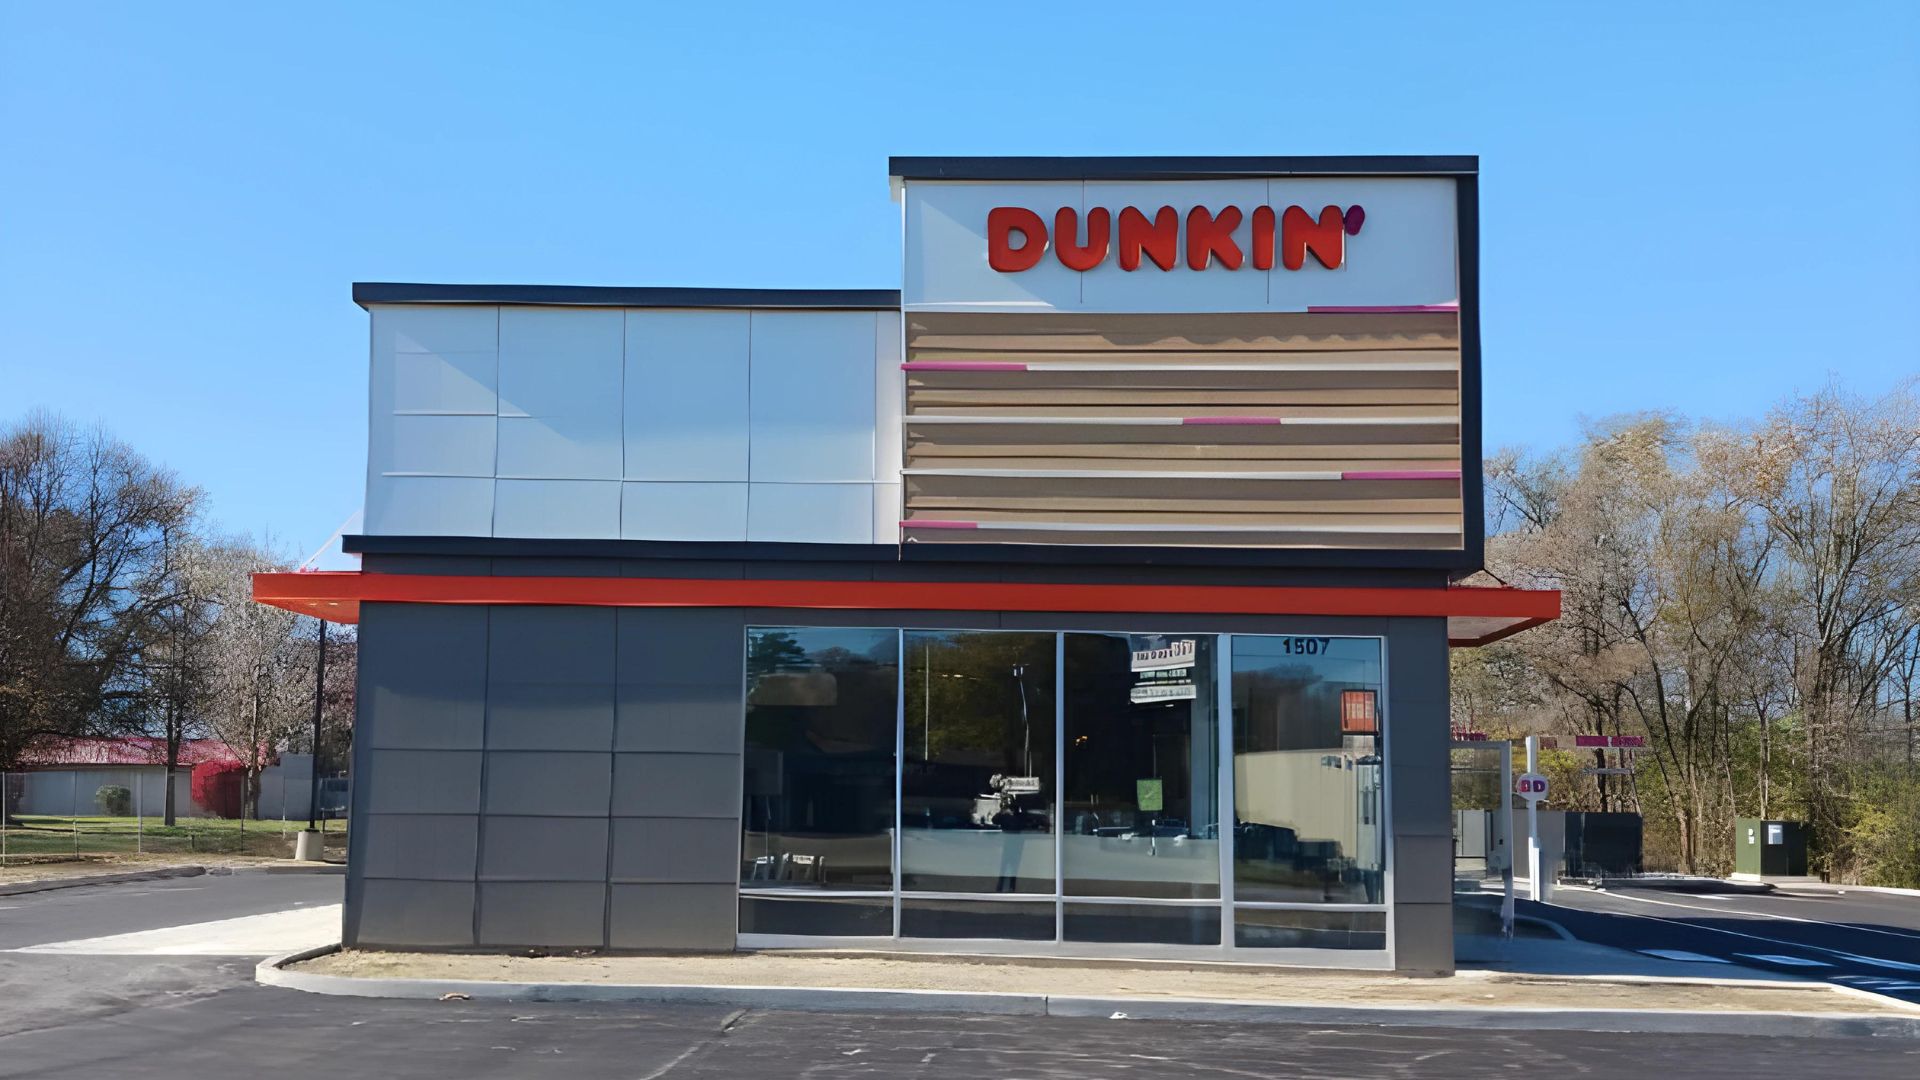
x: 1697, y: 207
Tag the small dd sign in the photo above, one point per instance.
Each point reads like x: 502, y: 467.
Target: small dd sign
x: 1530, y: 786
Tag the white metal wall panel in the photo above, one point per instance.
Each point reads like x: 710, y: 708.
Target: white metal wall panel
x: 1405, y: 253
x: 683, y: 511
x: 811, y: 513
x: 559, y: 509
x: 409, y: 444
x: 811, y: 402
x: 889, y: 397
x: 429, y: 506
x: 569, y: 446
x: 643, y: 424
x: 947, y: 247
x: 562, y: 366
x: 686, y: 395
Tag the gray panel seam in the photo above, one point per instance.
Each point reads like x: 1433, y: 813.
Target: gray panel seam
x: 486, y: 688
x: 613, y: 731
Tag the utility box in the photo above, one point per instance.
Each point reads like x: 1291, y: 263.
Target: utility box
x: 1767, y: 849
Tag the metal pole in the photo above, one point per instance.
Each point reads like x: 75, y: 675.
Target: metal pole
x: 319, y: 692
x: 6, y: 809
x: 1537, y: 890
x: 139, y: 812
x: 73, y: 807
x: 1504, y: 822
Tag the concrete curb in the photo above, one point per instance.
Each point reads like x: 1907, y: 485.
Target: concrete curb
x: 158, y: 873
x: 273, y: 971
x: 50, y: 884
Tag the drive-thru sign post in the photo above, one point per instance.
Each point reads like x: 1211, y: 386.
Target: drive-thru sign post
x: 1532, y: 786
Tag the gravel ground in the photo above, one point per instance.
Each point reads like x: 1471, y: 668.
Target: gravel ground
x: 1132, y: 979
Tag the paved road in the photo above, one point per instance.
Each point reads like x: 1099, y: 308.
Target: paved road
x: 1862, y: 939
x: 194, y: 1017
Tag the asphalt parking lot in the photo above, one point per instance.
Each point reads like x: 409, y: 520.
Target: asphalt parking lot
x: 1859, y: 938
x: 194, y: 1016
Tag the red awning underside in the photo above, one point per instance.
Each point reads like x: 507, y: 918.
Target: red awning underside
x: 1474, y: 616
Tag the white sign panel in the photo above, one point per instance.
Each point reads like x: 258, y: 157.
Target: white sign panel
x: 1174, y: 654
x: 1530, y: 786
x: 1203, y: 245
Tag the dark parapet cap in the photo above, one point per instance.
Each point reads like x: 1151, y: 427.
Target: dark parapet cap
x: 389, y: 292
x: 1176, y: 168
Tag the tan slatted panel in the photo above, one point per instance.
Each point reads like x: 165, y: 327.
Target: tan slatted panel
x: 1101, y: 394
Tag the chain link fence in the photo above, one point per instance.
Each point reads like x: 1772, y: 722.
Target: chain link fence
x: 59, y: 815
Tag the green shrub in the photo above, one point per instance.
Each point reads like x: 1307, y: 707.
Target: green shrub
x: 114, y: 801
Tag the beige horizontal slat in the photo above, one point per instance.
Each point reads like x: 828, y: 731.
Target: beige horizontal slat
x: 1182, y: 331
x: 1142, y: 379
x: 1075, y: 439
x: 1093, y: 413
x: 919, y: 397
x: 1122, y: 468
x: 968, y: 442
x: 1342, y: 521
x: 1344, y: 359
x: 1290, y: 540
x: 976, y: 506
x: 1236, y: 490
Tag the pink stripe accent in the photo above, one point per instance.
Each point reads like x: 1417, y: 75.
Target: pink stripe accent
x: 1241, y: 421
x: 1404, y: 474
x: 930, y: 523
x: 1387, y: 309
x: 960, y: 365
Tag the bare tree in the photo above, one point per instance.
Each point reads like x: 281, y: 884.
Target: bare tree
x: 85, y: 523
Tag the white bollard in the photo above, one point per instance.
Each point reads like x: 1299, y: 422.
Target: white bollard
x: 308, y: 846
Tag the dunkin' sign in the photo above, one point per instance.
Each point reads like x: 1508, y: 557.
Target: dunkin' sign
x: 1018, y: 238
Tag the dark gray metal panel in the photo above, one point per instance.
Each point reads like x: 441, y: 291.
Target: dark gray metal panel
x: 1423, y: 938
x: 550, y: 716
x: 1419, y: 791
x: 423, y: 675
x: 1178, y: 168
x: 1418, y: 734
x: 932, y: 620
x: 394, y: 292
x: 680, y: 719
x: 1423, y: 869
x: 551, y: 645
x: 539, y: 784
x: 690, y: 850
x: 696, y: 646
x: 422, y: 782
x: 676, y: 917
x: 677, y: 785
x: 704, y: 569
x: 542, y: 567
x: 443, y: 565
x: 413, y: 915
x: 544, y: 849
x: 425, y: 847
x: 546, y: 914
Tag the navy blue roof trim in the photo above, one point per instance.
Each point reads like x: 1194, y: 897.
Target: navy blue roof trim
x: 1176, y: 168
x: 388, y: 292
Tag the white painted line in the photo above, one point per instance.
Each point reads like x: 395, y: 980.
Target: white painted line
x: 1909, y: 935
x: 1682, y: 954
x: 1897, y: 965
x: 1783, y: 961
x: 249, y: 935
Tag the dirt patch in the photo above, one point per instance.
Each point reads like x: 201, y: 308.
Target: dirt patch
x: 95, y: 866
x: 1095, y: 978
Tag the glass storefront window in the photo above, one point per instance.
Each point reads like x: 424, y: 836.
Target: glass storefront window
x: 1307, y: 770
x: 1141, y: 815
x: 977, y: 784
x: 822, y: 711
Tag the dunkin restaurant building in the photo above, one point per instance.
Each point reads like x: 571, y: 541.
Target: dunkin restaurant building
x: 1089, y: 595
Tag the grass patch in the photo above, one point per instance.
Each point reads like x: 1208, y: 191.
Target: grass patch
x: 38, y: 836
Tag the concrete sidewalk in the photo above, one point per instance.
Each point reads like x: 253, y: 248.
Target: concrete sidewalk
x: 1239, y: 993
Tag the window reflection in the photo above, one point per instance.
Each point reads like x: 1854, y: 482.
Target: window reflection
x: 977, y: 790
x: 1141, y: 753
x: 821, y: 717
x: 1307, y: 769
